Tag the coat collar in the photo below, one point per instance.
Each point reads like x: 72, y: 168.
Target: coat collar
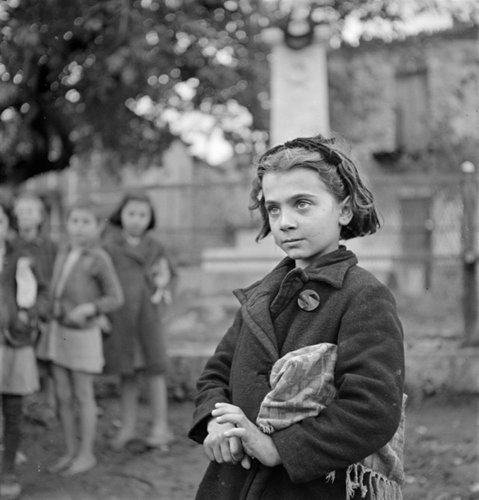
x: 256, y: 299
x: 330, y: 268
x: 140, y: 253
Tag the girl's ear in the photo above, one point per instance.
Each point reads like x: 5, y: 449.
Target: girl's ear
x: 345, y: 211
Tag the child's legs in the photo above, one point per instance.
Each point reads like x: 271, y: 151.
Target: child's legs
x: 12, y: 416
x: 47, y: 385
x: 63, y: 388
x: 158, y: 404
x: 85, y: 396
x: 129, y: 394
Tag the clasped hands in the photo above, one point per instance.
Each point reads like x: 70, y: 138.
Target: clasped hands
x: 233, y: 438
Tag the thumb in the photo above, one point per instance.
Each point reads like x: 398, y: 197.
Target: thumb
x: 246, y: 462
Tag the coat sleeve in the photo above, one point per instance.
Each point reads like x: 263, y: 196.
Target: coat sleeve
x: 369, y: 377
x: 213, y: 384
x: 42, y: 304
x: 112, y: 293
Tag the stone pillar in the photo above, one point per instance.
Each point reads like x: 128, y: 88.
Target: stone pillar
x: 299, y: 87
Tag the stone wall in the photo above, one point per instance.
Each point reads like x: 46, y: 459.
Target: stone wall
x: 363, y: 89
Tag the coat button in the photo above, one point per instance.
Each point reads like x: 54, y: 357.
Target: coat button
x: 308, y: 300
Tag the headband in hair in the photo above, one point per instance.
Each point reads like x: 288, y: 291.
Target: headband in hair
x: 316, y: 144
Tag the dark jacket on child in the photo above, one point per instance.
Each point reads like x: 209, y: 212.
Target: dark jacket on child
x: 14, y: 332
x: 43, y: 252
x: 91, y: 279
x: 138, y: 324
x: 358, y: 314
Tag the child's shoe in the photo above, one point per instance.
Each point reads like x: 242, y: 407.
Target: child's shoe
x: 10, y: 488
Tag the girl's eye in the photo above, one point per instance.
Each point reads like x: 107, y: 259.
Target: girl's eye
x: 302, y: 204
x: 273, y: 211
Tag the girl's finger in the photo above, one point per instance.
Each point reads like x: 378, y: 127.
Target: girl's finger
x: 226, y: 453
x: 246, y: 462
x: 217, y: 455
x: 225, y: 408
x: 230, y: 419
x: 209, y: 453
x: 237, y: 432
x: 236, y: 449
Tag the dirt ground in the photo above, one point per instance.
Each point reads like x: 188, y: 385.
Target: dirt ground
x: 441, y: 460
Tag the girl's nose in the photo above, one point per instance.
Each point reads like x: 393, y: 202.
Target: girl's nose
x: 286, y: 220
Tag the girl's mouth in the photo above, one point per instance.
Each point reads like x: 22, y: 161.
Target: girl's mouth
x: 292, y: 241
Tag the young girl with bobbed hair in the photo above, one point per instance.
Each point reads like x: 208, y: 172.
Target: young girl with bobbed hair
x: 303, y: 397
x: 136, y: 344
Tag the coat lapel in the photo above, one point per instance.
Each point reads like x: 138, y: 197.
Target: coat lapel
x: 256, y: 301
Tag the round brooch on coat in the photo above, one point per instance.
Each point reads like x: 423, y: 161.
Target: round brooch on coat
x: 308, y: 300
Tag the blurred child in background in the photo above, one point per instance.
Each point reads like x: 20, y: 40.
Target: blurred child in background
x: 136, y: 343
x: 23, y: 300
x: 83, y: 289
x: 30, y: 215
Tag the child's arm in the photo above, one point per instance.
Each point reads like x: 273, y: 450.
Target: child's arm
x: 213, y: 387
x: 112, y: 293
x: 213, y: 383
x: 111, y: 297
x: 369, y: 378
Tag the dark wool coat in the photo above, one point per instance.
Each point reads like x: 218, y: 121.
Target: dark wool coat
x: 43, y: 252
x: 358, y: 314
x: 139, y: 320
x: 14, y: 332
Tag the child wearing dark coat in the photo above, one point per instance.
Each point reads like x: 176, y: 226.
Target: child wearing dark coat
x: 310, y: 196
x: 30, y: 215
x: 23, y: 302
x: 136, y: 344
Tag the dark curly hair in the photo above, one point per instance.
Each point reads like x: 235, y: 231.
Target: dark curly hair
x: 335, y: 169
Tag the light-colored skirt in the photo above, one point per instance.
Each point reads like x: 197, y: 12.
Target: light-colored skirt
x: 78, y: 349
x: 18, y: 370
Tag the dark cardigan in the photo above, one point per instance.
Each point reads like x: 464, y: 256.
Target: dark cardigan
x: 357, y: 313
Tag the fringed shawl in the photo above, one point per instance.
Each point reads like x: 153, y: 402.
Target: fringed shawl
x: 302, y: 385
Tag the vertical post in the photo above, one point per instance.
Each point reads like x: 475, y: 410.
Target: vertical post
x: 469, y: 242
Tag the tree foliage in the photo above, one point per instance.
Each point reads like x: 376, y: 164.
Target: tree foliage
x: 76, y: 75
x: 72, y: 71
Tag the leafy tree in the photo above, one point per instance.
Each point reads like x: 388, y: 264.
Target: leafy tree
x: 71, y: 74
x: 85, y: 74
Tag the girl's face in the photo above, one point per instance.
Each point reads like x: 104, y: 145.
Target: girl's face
x: 305, y: 218
x: 82, y: 226
x: 29, y: 213
x: 135, y: 217
x: 4, y: 226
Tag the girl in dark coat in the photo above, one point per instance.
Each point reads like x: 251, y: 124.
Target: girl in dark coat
x: 310, y: 196
x: 136, y: 343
